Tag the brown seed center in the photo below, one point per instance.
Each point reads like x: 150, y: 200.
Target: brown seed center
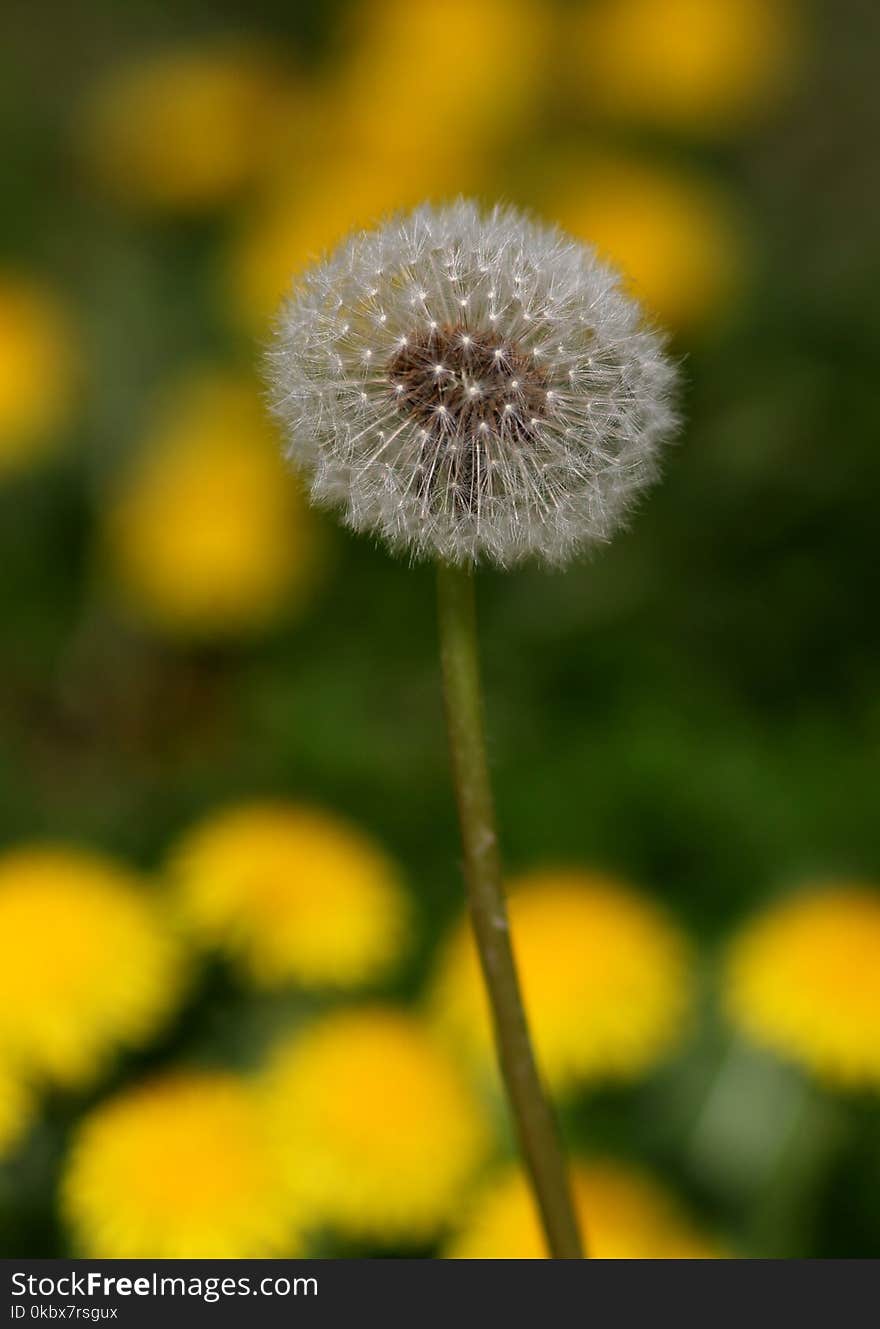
x: 453, y: 380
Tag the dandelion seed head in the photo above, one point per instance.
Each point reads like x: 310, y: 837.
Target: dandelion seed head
x: 515, y: 409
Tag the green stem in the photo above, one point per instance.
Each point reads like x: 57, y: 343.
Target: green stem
x: 530, y: 1108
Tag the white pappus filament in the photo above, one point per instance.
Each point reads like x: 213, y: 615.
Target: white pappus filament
x: 471, y: 386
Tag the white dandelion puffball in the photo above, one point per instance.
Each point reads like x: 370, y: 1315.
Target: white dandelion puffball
x: 471, y: 386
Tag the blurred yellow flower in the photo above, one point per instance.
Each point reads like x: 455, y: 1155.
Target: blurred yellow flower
x: 435, y: 79
x: 698, y: 65
x: 39, y: 367
x: 380, y: 149
x: 186, y: 129
x: 676, y: 236
x: 206, y: 535
x: 377, y: 1131
x: 86, y: 963
x: 296, y: 224
x: 803, y: 978
x: 625, y: 1215
x: 605, y: 978
x: 176, y: 1169
x: 16, y: 1106
x: 294, y: 894
x: 377, y: 152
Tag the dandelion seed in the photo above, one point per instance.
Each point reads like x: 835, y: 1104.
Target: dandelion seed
x: 534, y: 399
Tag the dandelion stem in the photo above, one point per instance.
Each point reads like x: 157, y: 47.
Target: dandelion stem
x: 533, y: 1118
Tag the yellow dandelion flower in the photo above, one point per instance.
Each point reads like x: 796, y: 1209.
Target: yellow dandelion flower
x: 176, y: 1169
x: 625, y: 1215
x: 186, y: 129
x: 377, y: 1131
x: 205, y: 535
x: 803, y: 978
x: 401, y: 55
x: 86, y: 963
x: 16, y: 1105
x: 676, y: 236
x: 38, y: 371
x: 296, y: 224
x: 294, y: 894
x: 699, y: 65
x: 605, y: 978
x: 372, y: 150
